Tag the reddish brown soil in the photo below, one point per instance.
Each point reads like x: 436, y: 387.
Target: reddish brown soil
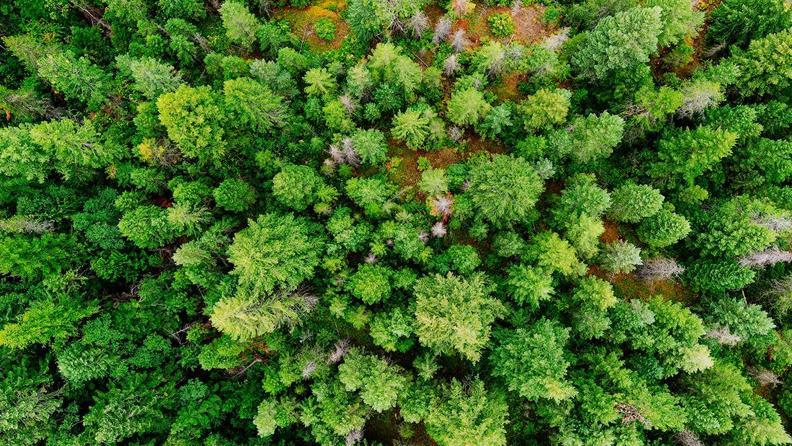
x: 406, y: 173
x: 527, y: 23
x: 508, y: 87
x: 628, y: 286
x: 611, y: 233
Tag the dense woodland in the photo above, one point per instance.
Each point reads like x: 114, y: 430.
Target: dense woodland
x: 395, y: 222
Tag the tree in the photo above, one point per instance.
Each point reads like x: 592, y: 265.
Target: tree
x: 370, y: 146
x: 591, y: 301
x: 467, y: 107
x: 47, y: 321
x: 392, y: 330
x: 595, y: 293
x: 153, y: 78
x: 298, y: 187
x: 679, y: 20
x: 252, y: 104
x: 663, y: 229
x: 496, y: 122
x: 618, y: 42
x: 765, y: 67
x: 388, y: 64
x: 77, y: 78
x: 319, y: 82
x: 746, y: 321
x: 501, y: 25
x: 529, y: 285
x: 192, y: 117
x: 690, y: 153
x: 621, y: 257
x: 413, y: 126
x: 584, y: 235
x: 274, y: 413
x: 552, y: 253
x: 20, y: 156
x: 718, y: 275
x: 337, y: 116
x: 379, y: 383
x: 147, y: 227
x: 454, y: 314
x: 461, y: 259
x: 545, y: 109
x: 132, y: 406
x: 433, y: 182
x: 581, y: 196
x: 466, y: 415
x: 717, y: 395
x: 652, y: 106
x: 503, y: 189
x: 737, y: 228
x: 764, y: 426
x: 740, y: 22
x: 665, y: 331
x: 332, y: 412
x: 185, y: 9
x: 239, y: 23
x: 245, y: 316
x: 368, y: 18
x: 532, y: 361
x: 633, y: 202
x: 275, y: 77
x: 371, y: 284
x: 275, y: 250
x: 372, y: 194
x: 73, y: 147
x: 234, y: 195
x: 773, y: 158
x: 589, y: 138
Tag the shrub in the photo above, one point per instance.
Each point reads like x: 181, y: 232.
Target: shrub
x: 325, y: 28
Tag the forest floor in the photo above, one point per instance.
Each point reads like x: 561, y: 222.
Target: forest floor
x: 528, y: 28
x: 629, y: 286
x: 302, y: 23
x: 528, y: 25
x: 405, y: 170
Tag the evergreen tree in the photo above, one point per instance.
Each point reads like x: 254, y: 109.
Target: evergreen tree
x: 275, y: 250
x: 454, y: 314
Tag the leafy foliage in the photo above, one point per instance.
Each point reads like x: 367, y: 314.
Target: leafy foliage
x: 454, y: 314
x: 395, y: 222
x: 274, y: 250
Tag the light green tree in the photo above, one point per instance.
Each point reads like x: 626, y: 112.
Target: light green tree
x: 253, y: 105
x: 544, y: 109
x: 193, y: 118
x: 503, y: 189
x: 239, y: 23
x: 467, y: 107
x: 379, y: 383
x: 469, y: 415
x: 455, y: 314
x: 532, y: 361
x: 618, y: 42
x: 275, y: 250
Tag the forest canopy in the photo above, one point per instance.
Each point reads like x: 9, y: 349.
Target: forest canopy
x: 395, y: 222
